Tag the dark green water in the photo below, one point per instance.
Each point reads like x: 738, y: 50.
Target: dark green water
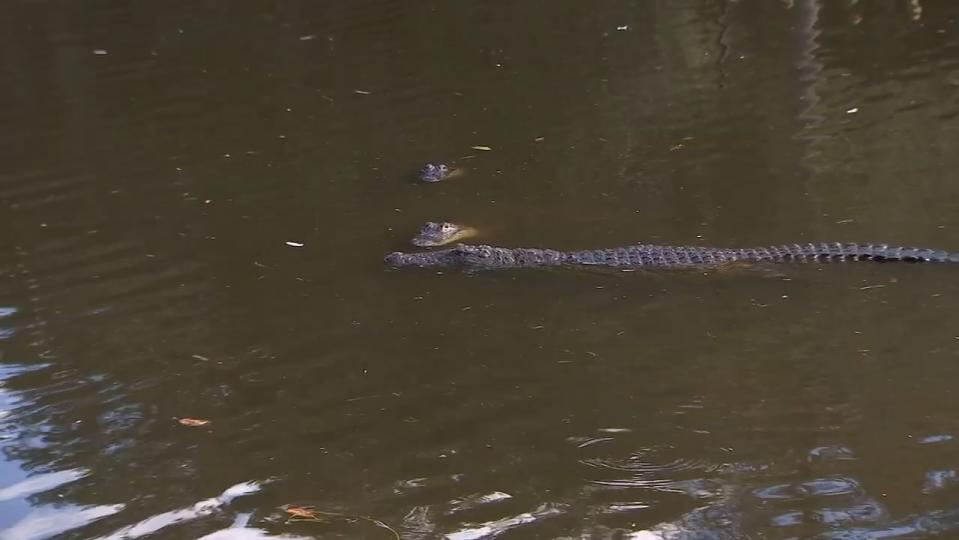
x: 157, y: 157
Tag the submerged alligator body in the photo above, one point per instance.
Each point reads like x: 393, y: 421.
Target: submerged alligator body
x: 480, y: 257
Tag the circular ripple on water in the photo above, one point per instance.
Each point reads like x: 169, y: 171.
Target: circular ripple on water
x: 649, y: 461
x: 818, y: 487
x: 649, y: 467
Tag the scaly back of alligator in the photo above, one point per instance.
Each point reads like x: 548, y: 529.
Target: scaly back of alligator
x: 651, y: 255
x: 480, y: 257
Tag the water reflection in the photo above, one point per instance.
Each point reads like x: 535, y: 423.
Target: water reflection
x: 45, y: 522
x: 31, y: 506
x: 205, y: 508
x: 735, y: 500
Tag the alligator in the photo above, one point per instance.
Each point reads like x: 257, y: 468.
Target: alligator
x: 483, y: 257
x: 437, y: 173
x: 434, y: 234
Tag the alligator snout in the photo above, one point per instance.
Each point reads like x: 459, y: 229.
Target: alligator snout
x: 395, y: 259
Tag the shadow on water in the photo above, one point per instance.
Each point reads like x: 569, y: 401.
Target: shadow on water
x: 196, y: 199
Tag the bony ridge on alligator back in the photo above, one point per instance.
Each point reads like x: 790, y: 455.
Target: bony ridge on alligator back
x: 483, y: 257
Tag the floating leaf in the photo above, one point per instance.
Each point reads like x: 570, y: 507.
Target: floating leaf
x: 309, y: 513
x: 302, y: 512
x: 193, y: 422
x: 484, y: 148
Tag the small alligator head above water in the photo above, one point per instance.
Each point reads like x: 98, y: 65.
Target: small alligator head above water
x: 431, y: 173
x: 434, y: 234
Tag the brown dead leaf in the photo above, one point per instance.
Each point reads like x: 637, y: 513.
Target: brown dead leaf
x: 193, y: 422
x: 302, y: 512
x: 309, y: 513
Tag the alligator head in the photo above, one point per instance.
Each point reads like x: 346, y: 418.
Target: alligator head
x: 434, y: 173
x: 460, y: 255
x: 434, y: 234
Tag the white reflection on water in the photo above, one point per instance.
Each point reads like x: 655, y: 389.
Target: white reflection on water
x: 38, y: 521
x: 492, y: 529
x: 46, y: 521
x: 201, y: 509
x: 41, y: 483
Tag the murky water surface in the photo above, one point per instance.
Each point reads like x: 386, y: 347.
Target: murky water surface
x: 197, y: 196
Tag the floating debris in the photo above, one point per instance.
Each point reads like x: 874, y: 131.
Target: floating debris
x: 362, y: 92
x: 295, y: 244
x: 483, y: 148
x: 590, y: 442
x: 615, y: 430
x: 304, y: 512
x: 193, y: 422
x: 310, y: 513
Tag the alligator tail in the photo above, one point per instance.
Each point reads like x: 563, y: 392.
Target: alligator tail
x: 863, y: 252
